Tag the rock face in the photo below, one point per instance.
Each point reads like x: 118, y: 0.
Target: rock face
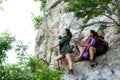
x: 108, y: 67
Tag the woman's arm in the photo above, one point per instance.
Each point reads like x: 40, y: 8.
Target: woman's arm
x: 92, y: 43
x: 56, y: 35
x: 83, y: 45
x: 55, y: 46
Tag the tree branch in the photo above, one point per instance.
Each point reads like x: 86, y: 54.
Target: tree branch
x: 111, y: 11
x: 112, y: 19
x: 83, y: 26
x: 24, y: 49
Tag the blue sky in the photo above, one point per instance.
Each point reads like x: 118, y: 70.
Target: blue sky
x: 16, y: 18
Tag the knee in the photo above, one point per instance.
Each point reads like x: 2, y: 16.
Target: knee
x: 68, y: 57
x: 91, y: 48
x: 56, y: 60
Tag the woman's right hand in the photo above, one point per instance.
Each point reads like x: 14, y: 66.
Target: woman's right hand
x: 50, y: 30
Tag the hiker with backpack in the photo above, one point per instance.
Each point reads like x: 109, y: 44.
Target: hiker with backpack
x: 95, y: 46
x: 64, y: 49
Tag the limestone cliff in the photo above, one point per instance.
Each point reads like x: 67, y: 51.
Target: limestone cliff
x: 108, y: 67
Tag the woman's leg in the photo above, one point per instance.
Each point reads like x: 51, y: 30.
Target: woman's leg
x: 92, y: 51
x: 57, y: 60
x: 70, y: 63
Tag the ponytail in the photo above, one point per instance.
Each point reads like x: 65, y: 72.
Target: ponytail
x: 95, y: 34
x: 69, y: 33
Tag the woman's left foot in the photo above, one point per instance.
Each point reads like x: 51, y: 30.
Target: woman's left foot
x: 92, y: 63
x: 80, y: 59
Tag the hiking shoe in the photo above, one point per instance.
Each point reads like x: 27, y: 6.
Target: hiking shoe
x: 80, y: 59
x: 92, y: 63
x: 70, y: 72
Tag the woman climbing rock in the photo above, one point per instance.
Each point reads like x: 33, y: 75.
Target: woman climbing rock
x: 64, y: 49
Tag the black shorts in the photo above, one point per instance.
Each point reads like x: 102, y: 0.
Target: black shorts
x: 99, y: 51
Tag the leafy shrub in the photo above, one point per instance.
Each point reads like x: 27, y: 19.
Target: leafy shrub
x: 5, y: 44
x: 34, y: 69
x: 42, y: 71
x: 36, y: 20
x: 43, y: 4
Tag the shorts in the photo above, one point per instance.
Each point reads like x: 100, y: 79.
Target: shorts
x: 99, y: 51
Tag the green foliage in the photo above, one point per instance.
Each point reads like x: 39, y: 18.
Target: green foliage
x: 117, y: 29
x: 5, y: 44
x: 18, y: 71
x: 15, y: 72
x: 1, y: 1
x: 50, y: 50
x: 36, y: 20
x: 27, y: 68
x: 88, y: 9
x: 43, y: 4
x: 32, y: 69
x: 42, y: 71
x: 102, y: 27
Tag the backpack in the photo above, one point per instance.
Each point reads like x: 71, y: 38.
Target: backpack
x: 103, y: 42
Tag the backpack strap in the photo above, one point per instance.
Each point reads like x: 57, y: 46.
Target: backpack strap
x: 98, y: 42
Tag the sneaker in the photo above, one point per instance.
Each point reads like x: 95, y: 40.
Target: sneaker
x: 92, y: 63
x: 80, y: 59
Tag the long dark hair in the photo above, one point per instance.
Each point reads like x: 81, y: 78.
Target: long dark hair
x: 68, y: 33
x: 95, y: 34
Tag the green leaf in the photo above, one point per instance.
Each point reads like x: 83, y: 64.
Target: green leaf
x: 89, y: 9
x: 1, y: 1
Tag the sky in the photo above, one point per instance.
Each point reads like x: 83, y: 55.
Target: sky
x: 16, y: 19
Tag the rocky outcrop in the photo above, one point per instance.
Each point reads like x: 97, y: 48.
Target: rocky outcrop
x: 108, y: 67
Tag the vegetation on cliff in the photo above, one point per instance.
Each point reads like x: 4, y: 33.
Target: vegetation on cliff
x: 89, y: 9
